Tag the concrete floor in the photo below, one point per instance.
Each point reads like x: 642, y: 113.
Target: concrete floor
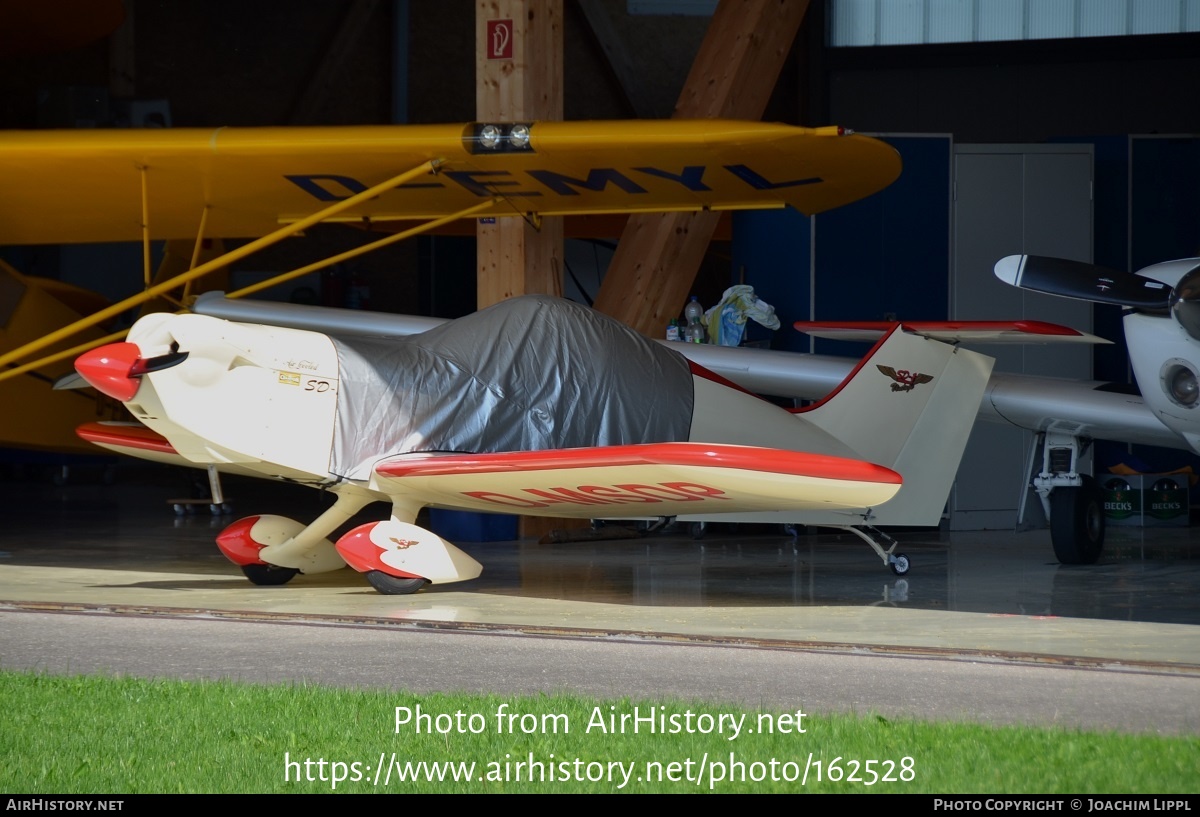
x: 993, y: 595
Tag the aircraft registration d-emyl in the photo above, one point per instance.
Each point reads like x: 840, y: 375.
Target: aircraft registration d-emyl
x: 535, y: 405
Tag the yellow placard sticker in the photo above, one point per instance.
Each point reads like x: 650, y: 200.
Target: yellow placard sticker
x: 289, y: 378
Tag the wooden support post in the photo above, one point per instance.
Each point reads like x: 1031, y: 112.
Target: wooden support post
x: 519, y: 46
x: 655, y: 264
x: 518, y: 66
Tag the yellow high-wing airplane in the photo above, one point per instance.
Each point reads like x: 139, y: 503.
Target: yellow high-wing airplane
x: 267, y: 184
x: 114, y: 185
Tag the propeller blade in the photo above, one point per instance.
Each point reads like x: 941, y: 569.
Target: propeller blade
x: 1087, y: 282
x: 156, y: 364
x: 74, y: 380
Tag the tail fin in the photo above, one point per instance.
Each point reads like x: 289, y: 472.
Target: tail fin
x: 909, y: 405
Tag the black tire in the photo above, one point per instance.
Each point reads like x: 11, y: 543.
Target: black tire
x: 900, y: 564
x: 1077, y: 523
x: 269, y: 575
x: 393, y: 586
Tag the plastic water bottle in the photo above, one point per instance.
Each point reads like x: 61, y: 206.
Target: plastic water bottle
x: 694, y: 314
x: 673, y: 330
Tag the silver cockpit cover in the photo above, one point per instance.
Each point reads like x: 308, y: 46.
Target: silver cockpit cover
x: 530, y: 373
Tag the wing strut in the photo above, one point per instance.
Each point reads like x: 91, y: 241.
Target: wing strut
x: 241, y: 293
x: 391, y: 238
x: 197, y: 248
x: 74, y: 351
x: 147, y: 275
x: 204, y: 269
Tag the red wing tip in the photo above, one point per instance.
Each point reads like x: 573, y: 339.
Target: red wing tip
x: 1043, y: 328
x: 795, y: 463
x: 1024, y: 326
x: 125, y: 436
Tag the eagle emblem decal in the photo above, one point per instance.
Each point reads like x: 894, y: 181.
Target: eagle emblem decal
x: 904, y: 379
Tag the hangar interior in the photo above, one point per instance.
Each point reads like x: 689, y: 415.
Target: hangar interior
x: 1085, y: 147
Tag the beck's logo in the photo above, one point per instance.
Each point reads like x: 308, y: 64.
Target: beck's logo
x: 904, y: 379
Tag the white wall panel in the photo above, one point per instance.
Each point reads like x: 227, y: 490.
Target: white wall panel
x: 914, y: 22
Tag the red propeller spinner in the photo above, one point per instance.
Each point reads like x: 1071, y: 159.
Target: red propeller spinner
x: 117, y: 369
x: 109, y: 369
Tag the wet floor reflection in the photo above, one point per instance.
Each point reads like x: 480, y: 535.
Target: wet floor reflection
x: 1148, y: 575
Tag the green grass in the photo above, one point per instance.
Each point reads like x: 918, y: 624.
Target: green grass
x: 85, y: 734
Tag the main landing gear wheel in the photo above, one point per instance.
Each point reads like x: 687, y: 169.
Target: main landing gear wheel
x: 899, y: 564
x: 1077, y: 523
x: 269, y: 575
x: 392, y: 586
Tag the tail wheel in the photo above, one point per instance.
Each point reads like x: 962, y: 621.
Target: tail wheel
x: 392, y: 586
x: 269, y: 575
x: 1077, y: 523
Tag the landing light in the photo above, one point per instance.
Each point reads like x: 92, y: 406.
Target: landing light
x: 498, y: 138
x: 490, y: 136
x: 1180, y: 384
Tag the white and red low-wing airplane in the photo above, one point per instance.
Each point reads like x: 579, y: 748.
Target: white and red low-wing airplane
x: 533, y: 406
x: 1066, y: 414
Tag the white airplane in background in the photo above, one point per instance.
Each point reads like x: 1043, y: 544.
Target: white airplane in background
x: 1161, y: 321
x: 532, y: 422
x: 1162, y: 333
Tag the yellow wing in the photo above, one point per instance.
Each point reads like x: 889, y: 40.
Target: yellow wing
x: 87, y: 185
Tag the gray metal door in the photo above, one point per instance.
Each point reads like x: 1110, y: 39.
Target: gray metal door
x: 1015, y: 199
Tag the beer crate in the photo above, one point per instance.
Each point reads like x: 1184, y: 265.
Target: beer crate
x: 1145, y: 500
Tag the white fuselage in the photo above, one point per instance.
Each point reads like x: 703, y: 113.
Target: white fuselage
x: 265, y: 398
x: 1158, y: 347
x: 260, y: 396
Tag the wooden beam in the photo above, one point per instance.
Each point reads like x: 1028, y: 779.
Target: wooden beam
x: 518, y: 66
x: 517, y: 259
x: 519, y: 70
x: 656, y: 262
